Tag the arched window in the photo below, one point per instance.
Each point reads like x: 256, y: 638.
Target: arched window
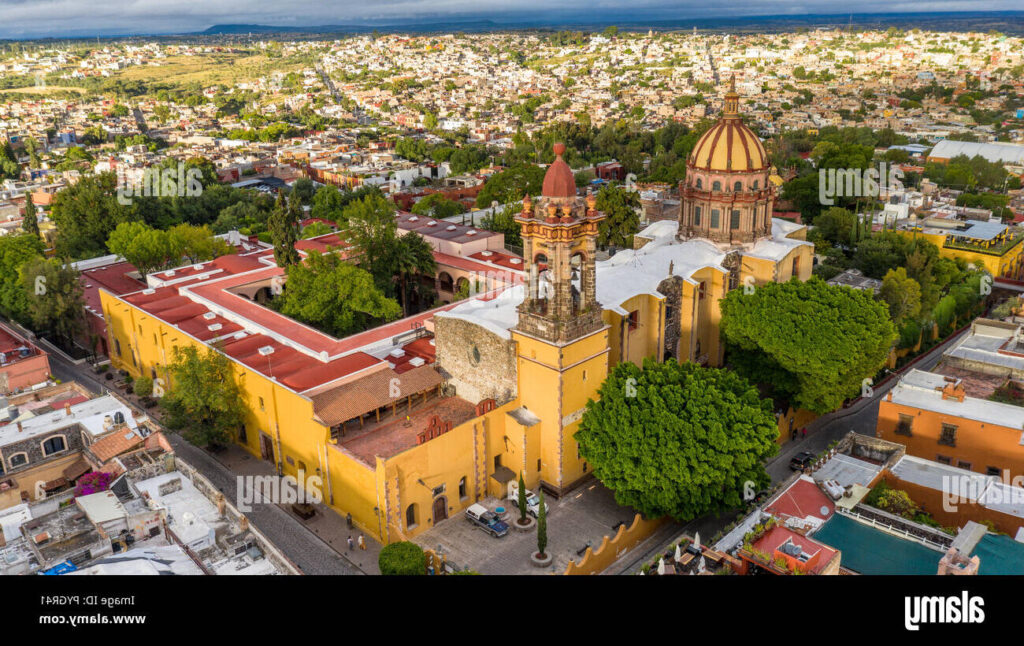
x: 717, y: 186
x: 700, y: 183
x: 738, y: 186
x: 410, y: 516
x: 19, y: 460
x: 446, y: 281
x: 54, y: 445
x: 755, y: 185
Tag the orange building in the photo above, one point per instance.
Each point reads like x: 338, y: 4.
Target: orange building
x: 934, y: 418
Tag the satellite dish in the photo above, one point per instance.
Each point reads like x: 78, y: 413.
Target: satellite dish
x: 824, y: 510
x: 188, y: 518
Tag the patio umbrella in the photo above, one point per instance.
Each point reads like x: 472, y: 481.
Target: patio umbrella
x: 696, y: 540
x: 661, y: 566
x: 678, y: 555
x: 701, y: 565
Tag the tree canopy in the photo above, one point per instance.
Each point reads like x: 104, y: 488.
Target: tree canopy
x: 334, y: 296
x: 811, y: 341
x: 203, y: 400
x: 678, y: 439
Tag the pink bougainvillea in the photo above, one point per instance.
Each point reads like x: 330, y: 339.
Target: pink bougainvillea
x: 93, y: 482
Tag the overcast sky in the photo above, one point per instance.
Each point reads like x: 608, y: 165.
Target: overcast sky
x: 31, y: 18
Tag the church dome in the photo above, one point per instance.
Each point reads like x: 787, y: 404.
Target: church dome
x: 729, y: 145
x: 559, y: 180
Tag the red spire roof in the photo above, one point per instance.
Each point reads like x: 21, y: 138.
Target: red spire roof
x: 559, y: 180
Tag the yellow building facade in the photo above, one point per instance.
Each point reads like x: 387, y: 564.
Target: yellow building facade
x: 408, y: 424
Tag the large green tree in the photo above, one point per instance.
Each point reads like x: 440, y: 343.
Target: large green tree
x: 412, y: 258
x: 54, y: 298
x: 811, y: 341
x: 678, y: 439
x: 86, y: 213
x: 902, y: 294
x: 511, y: 185
x: 15, y: 252
x: 203, y: 401
x: 622, y: 215
x: 334, y: 296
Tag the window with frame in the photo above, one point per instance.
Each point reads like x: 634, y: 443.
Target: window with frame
x: 715, y: 217
x: 410, y: 516
x: 53, y: 445
x: 737, y: 187
x: 993, y: 471
x: 717, y: 186
x: 18, y: 460
x: 700, y: 183
x: 964, y: 465
x: 734, y: 219
x: 634, y: 320
x: 905, y: 425
x: 944, y: 459
x: 796, y: 266
x: 948, y: 435
x: 702, y: 289
x: 696, y: 216
x: 462, y: 488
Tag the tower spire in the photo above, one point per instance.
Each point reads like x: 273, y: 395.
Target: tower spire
x: 732, y: 100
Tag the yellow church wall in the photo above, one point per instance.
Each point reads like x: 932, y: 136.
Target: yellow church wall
x: 643, y: 341
x: 410, y: 477
x: 147, y: 346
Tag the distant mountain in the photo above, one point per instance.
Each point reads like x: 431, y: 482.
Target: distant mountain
x: 1010, y: 22
x: 468, y: 25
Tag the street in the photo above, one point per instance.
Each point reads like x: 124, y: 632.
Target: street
x: 311, y: 554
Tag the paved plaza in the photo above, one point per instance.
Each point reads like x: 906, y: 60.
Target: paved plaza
x: 586, y: 514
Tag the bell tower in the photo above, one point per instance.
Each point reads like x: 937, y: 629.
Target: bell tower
x: 559, y: 233
x: 561, y: 337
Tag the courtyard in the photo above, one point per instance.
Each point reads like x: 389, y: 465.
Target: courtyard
x: 584, y: 515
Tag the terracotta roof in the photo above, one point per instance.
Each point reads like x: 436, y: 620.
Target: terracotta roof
x: 373, y: 391
x: 559, y: 180
x: 116, y: 443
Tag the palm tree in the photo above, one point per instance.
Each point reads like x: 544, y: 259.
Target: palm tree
x: 413, y: 257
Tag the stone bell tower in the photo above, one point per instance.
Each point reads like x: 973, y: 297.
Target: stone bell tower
x: 560, y: 233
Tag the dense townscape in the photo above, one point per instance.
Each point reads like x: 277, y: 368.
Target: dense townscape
x: 537, y: 302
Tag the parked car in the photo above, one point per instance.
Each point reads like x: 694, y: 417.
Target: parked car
x: 532, y: 500
x: 486, y: 520
x: 801, y: 461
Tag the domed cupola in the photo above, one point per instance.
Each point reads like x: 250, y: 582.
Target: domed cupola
x: 727, y: 196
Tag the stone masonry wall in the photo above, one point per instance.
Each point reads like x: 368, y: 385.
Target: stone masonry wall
x: 477, y: 362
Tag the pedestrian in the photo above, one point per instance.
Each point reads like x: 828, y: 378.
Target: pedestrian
x: 351, y: 545
x: 804, y: 431
x: 362, y: 543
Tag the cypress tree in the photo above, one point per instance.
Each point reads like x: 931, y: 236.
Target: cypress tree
x: 283, y: 234
x: 31, y: 223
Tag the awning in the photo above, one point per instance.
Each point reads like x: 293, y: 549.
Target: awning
x: 503, y: 475
x: 55, y: 484
x: 76, y: 470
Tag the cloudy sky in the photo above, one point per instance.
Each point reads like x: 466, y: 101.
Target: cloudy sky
x: 32, y: 18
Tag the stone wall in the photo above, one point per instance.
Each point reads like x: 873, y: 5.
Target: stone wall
x: 33, y: 447
x: 476, y: 362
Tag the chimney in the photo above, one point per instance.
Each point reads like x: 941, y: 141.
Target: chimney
x: 67, y: 409
x: 19, y: 427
